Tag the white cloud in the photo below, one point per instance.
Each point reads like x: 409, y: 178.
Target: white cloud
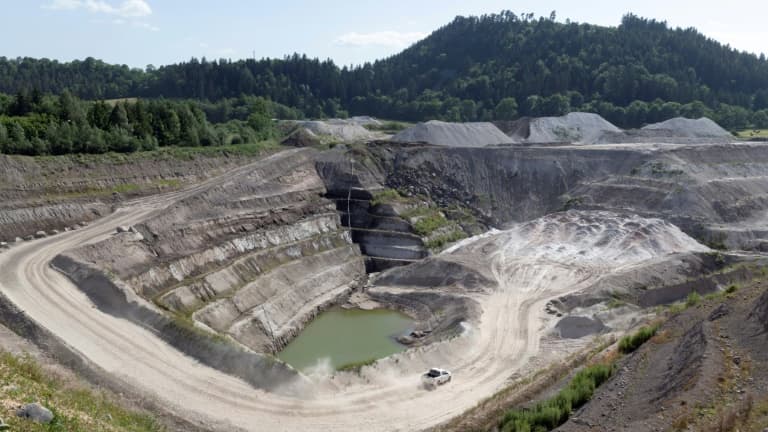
x: 391, y: 39
x: 124, y: 8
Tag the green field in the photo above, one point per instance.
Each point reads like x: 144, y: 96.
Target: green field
x: 753, y: 133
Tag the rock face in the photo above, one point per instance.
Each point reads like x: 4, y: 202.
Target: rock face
x: 715, y: 192
x: 53, y: 193
x: 253, y: 257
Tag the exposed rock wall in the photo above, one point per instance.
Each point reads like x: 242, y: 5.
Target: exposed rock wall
x: 253, y: 256
x: 715, y: 192
x: 54, y: 193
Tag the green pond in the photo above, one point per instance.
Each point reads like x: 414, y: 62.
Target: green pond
x: 343, y: 336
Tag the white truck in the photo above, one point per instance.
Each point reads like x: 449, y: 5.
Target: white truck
x: 435, y: 377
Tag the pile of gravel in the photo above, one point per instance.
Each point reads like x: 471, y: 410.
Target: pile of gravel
x: 454, y: 134
x: 680, y: 127
x: 576, y: 127
x: 340, y: 130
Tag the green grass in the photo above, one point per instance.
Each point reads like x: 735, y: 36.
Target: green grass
x: 426, y: 225
x: 386, y: 196
x: 753, y: 133
x: 630, y: 343
x: 551, y: 413
x: 75, y: 409
x: 693, y: 299
x: 356, y: 366
x: 442, y: 240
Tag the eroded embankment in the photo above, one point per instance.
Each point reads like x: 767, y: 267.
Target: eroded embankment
x: 252, y: 256
x: 56, y: 193
x: 715, y: 192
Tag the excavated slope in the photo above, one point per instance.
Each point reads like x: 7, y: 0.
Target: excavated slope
x: 714, y: 192
x: 57, y: 193
x: 253, y: 257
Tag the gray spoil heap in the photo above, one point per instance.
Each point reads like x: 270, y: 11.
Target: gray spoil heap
x: 689, y: 128
x: 453, y: 134
x: 674, y: 131
x: 575, y: 127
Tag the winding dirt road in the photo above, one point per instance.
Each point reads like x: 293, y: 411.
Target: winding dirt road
x: 388, y: 398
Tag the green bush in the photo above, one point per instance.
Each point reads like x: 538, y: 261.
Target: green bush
x: 428, y: 224
x: 551, y: 413
x: 732, y: 288
x: 693, y: 299
x: 628, y: 344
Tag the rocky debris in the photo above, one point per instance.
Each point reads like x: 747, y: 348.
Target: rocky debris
x: 35, y: 412
x: 719, y: 312
x: 689, y: 128
x: 453, y: 134
x: 576, y: 327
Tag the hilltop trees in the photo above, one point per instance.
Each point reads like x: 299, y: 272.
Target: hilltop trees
x: 65, y: 124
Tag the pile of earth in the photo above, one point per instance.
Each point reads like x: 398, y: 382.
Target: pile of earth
x: 336, y: 129
x: 575, y: 127
x: 689, y: 128
x: 678, y: 130
x: 453, y: 134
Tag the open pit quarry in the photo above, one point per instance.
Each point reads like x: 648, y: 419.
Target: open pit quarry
x: 185, y: 286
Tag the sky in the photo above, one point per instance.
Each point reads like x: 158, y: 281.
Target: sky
x: 157, y: 32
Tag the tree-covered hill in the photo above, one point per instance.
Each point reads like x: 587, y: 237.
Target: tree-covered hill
x: 475, y: 68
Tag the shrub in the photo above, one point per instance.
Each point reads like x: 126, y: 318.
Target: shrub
x: 732, y: 288
x: 628, y: 344
x: 693, y: 299
x: 549, y: 414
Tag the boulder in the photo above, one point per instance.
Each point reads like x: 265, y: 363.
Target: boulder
x: 122, y: 229
x: 40, y: 234
x: 35, y: 412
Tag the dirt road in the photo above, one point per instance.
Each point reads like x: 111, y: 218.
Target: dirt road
x: 532, y: 263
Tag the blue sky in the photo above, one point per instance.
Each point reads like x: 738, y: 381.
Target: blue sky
x: 142, y: 32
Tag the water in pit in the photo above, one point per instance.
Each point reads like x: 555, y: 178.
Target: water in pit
x: 339, y: 337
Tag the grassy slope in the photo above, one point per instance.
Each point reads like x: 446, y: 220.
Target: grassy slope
x: 23, y: 380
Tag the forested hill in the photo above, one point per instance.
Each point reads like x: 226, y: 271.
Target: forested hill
x: 494, y: 66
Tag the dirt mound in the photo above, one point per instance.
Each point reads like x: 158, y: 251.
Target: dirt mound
x: 301, y: 137
x: 337, y: 129
x: 680, y: 127
x: 576, y: 127
x: 454, y: 134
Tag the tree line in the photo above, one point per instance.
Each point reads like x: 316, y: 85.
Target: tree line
x: 42, y: 124
x: 498, y: 66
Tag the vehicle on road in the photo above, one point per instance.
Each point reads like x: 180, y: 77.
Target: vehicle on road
x: 435, y: 377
